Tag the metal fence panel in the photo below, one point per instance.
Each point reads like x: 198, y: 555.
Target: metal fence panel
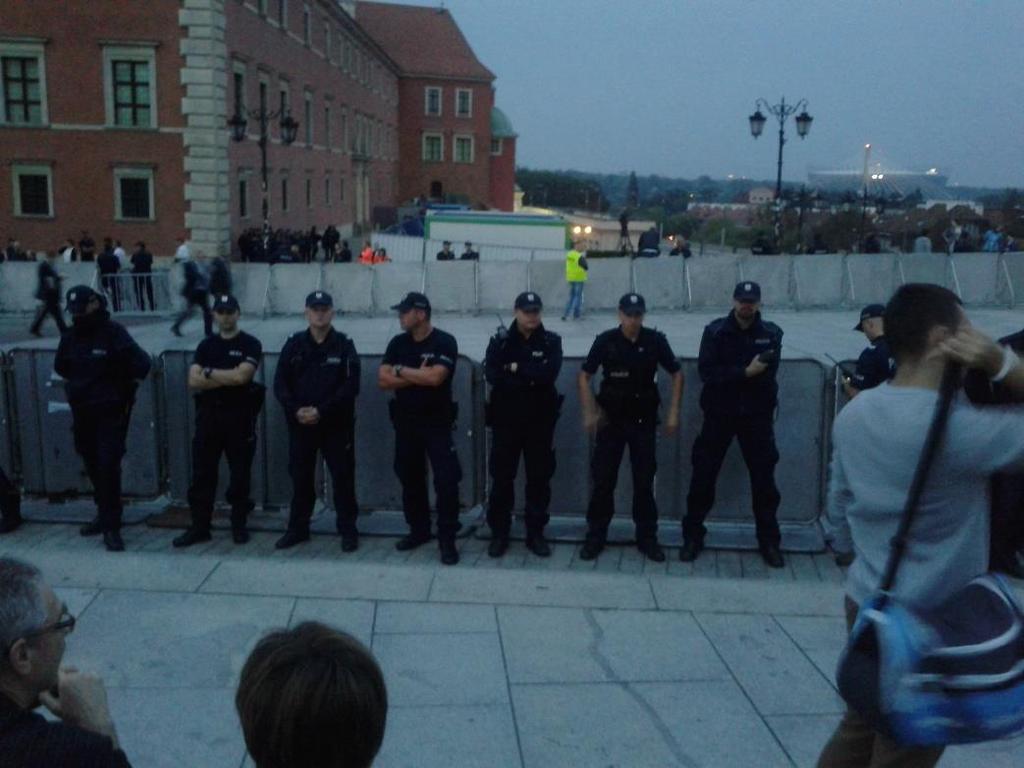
x: 50, y: 464
x: 128, y: 293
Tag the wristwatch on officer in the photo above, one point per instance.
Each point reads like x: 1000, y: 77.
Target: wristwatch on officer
x: 207, y: 372
x: 397, y: 371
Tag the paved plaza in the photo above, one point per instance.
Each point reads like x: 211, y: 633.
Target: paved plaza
x: 518, y: 662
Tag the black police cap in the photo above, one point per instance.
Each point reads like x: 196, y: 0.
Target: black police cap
x: 225, y: 302
x: 78, y: 298
x: 632, y: 304
x: 319, y: 299
x: 871, y: 310
x: 747, y: 290
x: 412, y: 300
x: 528, y: 300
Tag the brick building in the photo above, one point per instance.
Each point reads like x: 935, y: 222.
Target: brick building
x: 113, y: 119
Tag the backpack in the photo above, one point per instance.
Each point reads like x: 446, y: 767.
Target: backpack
x: 951, y: 675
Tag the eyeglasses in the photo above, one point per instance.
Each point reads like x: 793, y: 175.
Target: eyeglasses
x: 65, y: 623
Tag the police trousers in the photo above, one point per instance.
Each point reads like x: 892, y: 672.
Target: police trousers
x: 335, y: 441
x: 231, y: 432
x: 756, y: 436
x: 611, y: 441
x: 415, y: 444
x: 99, y: 433
x: 50, y: 306
x: 855, y: 745
x: 532, y: 440
x: 192, y: 301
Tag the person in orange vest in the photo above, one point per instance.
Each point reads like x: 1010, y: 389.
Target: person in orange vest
x: 366, y: 255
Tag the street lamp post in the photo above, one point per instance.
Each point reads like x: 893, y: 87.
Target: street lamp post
x: 288, y: 127
x: 781, y: 111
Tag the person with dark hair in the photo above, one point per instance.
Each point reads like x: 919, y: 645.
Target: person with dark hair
x: 521, y: 365
x: 330, y: 240
x: 311, y: 697
x: 220, y: 277
x: 87, y: 247
x: 34, y: 625
x: 469, y: 254
x: 875, y: 363
x: 142, y: 271
x: 196, y: 291
x: 630, y: 356
x: 345, y: 254
x: 877, y: 440
x: 649, y: 244
x: 418, y: 366
x: 317, y: 381
x: 48, y: 292
x: 446, y: 253
x: 108, y: 266
x: 101, y: 365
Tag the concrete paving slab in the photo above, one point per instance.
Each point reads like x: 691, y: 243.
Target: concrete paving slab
x: 804, y: 736
x: 728, y: 595
x: 161, y: 728
x: 607, y: 280
x: 871, y: 279
x: 822, y: 639
x: 478, y: 736
x: 925, y: 268
x: 250, y: 284
x: 433, y: 618
x: 172, y: 640
x: 773, y: 671
x: 996, y: 754
x: 977, y: 278
x: 320, y: 579
x: 77, y: 600
x: 714, y: 722
x: 581, y: 590
x: 548, y: 279
x: 124, y: 570
x: 559, y: 645
x: 442, y: 669
x: 352, y: 616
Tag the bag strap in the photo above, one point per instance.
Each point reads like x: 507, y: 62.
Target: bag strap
x: 947, y: 390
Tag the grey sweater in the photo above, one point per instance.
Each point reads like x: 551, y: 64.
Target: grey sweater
x: 877, y: 440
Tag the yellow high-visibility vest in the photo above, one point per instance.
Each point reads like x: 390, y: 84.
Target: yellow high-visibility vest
x: 574, y: 273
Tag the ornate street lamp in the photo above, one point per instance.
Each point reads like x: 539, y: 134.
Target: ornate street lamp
x: 781, y: 112
x: 288, y: 128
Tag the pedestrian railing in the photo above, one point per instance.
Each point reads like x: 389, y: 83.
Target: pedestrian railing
x: 137, y: 293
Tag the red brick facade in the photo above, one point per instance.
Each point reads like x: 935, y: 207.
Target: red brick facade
x: 503, y: 173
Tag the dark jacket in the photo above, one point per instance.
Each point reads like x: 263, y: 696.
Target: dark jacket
x: 629, y: 391
x: 324, y: 376
x: 220, y: 277
x: 100, y: 361
x: 725, y: 352
x: 108, y: 264
x: 28, y: 740
x: 142, y: 262
x: 196, y: 283
x: 530, y: 390
x: 49, y: 282
x: 874, y: 366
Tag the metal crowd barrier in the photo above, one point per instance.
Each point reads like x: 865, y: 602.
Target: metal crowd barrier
x: 130, y: 293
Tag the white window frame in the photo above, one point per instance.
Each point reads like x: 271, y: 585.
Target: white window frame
x: 31, y: 169
x: 455, y: 148
x: 440, y: 101
x: 124, y: 53
x: 25, y: 51
x: 130, y: 172
x: 469, y: 92
x: 500, y: 144
x: 440, y: 142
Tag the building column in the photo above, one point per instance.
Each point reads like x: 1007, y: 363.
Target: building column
x: 204, y: 107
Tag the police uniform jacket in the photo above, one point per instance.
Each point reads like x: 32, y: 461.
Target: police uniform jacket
x: 530, y: 390
x: 100, y: 361
x: 628, y: 389
x: 426, y: 406
x: 324, y: 376
x: 445, y: 255
x: 225, y: 354
x: 874, y: 366
x: 725, y: 352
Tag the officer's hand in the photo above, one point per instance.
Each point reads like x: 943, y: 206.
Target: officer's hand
x: 513, y: 367
x: 756, y: 367
x: 672, y: 424
x: 303, y: 415
x: 851, y: 392
x: 592, y: 419
x: 314, y: 415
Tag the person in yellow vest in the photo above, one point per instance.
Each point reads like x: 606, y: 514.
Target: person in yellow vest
x: 576, y: 275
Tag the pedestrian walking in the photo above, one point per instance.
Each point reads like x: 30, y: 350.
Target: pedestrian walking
x: 228, y: 404
x: 628, y: 415
x: 102, y: 366
x: 418, y: 367
x: 521, y: 365
x: 48, y: 293
x: 317, y: 382
x: 196, y: 292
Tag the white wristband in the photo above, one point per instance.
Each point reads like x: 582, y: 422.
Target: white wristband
x: 1010, y: 361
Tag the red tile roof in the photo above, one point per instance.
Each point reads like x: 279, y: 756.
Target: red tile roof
x: 421, y: 40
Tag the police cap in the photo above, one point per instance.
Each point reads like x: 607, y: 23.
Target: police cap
x: 412, y: 300
x: 225, y: 303
x: 632, y: 304
x: 528, y: 301
x: 747, y: 291
x: 870, y: 311
x: 78, y: 298
x: 319, y: 299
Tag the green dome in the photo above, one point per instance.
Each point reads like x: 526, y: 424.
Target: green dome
x: 501, y: 126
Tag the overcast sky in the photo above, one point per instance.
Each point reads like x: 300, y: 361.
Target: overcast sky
x: 666, y: 86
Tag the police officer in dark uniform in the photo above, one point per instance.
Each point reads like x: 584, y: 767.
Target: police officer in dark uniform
x: 521, y: 365
x: 446, y: 253
x: 739, y: 360
x: 228, y: 403
x: 469, y: 254
x: 317, y: 382
x: 48, y: 292
x: 418, y: 367
x: 1006, y: 551
x: 628, y: 415
x: 102, y: 366
x: 876, y: 363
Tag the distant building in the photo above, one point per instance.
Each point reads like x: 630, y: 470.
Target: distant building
x: 761, y: 196
x: 880, y: 180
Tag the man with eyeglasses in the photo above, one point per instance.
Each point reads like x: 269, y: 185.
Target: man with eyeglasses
x: 34, y: 624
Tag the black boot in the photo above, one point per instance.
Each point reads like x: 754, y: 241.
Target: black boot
x: 291, y: 538
x: 92, y: 528
x: 349, y: 541
x: 592, y: 547
x: 498, y: 545
x: 690, y: 551
x: 192, y: 536
x: 536, y: 543
x: 113, y: 542
x: 449, y: 554
x: 411, y: 541
x: 10, y: 512
x: 652, y: 550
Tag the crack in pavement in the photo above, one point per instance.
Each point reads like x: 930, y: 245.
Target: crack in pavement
x: 594, y: 648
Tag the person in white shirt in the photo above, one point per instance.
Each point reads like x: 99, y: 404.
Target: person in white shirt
x: 182, y: 253
x: 122, y: 255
